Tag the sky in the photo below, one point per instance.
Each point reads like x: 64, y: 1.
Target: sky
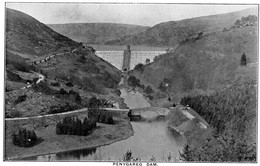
x: 139, y: 14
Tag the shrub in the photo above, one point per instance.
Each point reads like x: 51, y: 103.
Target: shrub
x: 243, y: 60
x: 142, y: 86
x: 147, y: 61
x: 82, y: 59
x: 133, y: 81
x: 20, y: 99
x: 14, y: 77
x: 59, y: 108
x: 24, y: 138
x: 139, y: 67
x: 13, y: 114
x: 21, y: 66
x: 165, y: 85
x: 150, y: 97
x: 148, y: 90
x: 44, y: 88
x: 69, y: 84
x: 55, y: 84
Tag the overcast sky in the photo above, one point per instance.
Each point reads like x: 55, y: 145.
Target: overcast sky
x: 140, y: 14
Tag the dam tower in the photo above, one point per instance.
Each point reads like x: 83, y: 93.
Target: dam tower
x: 126, y: 59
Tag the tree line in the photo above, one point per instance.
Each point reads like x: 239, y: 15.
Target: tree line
x: 100, y: 115
x: 74, y: 126
x: 232, y: 114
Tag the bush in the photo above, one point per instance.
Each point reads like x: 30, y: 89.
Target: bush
x: 44, y: 88
x: 133, y: 81
x: 14, y: 77
x: 24, y: 138
x: 142, y: 86
x: 69, y: 84
x: 243, y: 59
x: 55, y: 84
x: 150, y: 97
x: 165, y: 85
x: 139, y: 67
x: 94, y: 102
x: 148, y: 90
x: 23, y: 66
x: 74, y: 126
x: 20, y: 99
x: 59, y: 109
x: 13, y: 114
x: 82, y: 59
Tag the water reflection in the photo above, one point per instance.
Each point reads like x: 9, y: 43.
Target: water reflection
x: 75, y: 154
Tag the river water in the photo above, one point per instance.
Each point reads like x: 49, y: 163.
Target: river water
x: 150, y: 139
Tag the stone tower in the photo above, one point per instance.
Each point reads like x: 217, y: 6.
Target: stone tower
x: 126, y: 59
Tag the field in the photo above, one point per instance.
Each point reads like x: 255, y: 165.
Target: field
x: 51, y: 143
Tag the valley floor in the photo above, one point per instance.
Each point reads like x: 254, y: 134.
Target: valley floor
x: 52, y: 143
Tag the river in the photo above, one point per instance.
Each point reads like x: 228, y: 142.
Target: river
x: 150, y: 139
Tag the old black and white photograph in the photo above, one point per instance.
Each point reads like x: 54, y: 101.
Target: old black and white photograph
x: 130, y: 82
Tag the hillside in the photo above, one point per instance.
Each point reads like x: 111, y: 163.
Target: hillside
x: 96, y: 33
x: 68, y: 79
x: 207, y: 64
x: 173, y: 32
x: 28, y: 37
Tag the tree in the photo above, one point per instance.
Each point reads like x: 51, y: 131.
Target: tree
x: 186, y: 155
x: 133, y: 81
x: 139, y: 67
x: 148, y: 90
x: 147, y: 61
x: 243, y: 60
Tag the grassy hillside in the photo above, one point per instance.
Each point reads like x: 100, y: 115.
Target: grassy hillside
x: 96, y: 33
x: 173, y: 32
x: 28, y: 37
x: 71, y: 79
x: 210, y: 63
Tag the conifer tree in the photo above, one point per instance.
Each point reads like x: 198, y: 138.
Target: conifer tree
x: 243, y: 60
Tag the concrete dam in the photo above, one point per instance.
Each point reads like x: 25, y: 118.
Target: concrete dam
x: 116, y: 57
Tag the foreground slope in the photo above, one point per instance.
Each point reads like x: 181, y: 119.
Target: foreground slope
x: 173, y: 32
x: 82, y: 71
x: 96, y: 33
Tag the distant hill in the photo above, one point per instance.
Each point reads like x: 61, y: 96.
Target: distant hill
x: 210, y: 63
x: 173, y: 32
x: 28, y: 37
x: 96, y: 33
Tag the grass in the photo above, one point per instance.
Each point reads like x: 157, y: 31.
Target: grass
x: 209, y: 64
x: 45, y: 128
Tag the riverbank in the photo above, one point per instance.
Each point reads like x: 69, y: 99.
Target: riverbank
x: 51, y: 143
